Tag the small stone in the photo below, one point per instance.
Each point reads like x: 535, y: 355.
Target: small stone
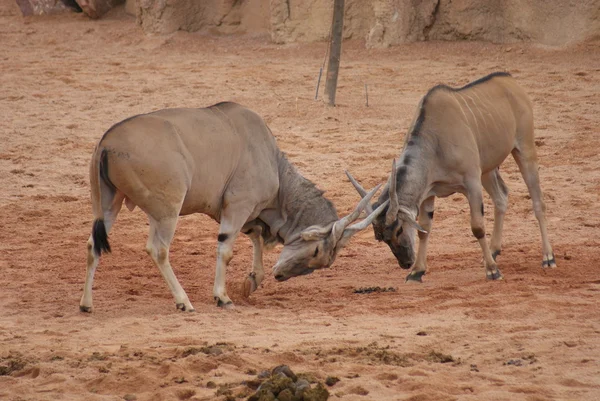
x: 280, y: 382
x: 262, y: 395
x: 253, y: 384
x: 358, y: 390
x: 265, y: 374
x: 317, y: 393
x: 301, y: 386
x: 286, y: 371
x: 331, y: 380
x: 130, y: 397
x: 211, y: 384
x: 286, y: 395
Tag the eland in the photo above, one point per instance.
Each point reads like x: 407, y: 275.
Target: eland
x: 222, y: 161
x: 456, y: 143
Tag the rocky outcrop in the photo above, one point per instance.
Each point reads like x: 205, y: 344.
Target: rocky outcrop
x: 41, y: 7
x: 381, y: 22
x: 551, y: 22
x: 224, y: 16
x: 97, y: 8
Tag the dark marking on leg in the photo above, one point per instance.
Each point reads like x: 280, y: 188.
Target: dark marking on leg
x: 430, y: 214
x: 407, y: 160
x: 222, y: 304
x: 495, y: 275
x: 495, y: 254
x: 482, y: 210
x: 549, y: 262
x: 222, y: 237
x: 478, y: 232
x: 415, y: 276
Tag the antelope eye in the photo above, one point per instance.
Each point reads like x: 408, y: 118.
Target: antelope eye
x: 316, y: 252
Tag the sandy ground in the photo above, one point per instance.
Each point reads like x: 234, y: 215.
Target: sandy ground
x: 64, y: 80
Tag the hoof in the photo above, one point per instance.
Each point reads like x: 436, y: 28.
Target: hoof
x: 495, y: 254
x: 416, y: 276
x: 249, y: 285
x: 496, y: 275
x: 182, y: 307
x: 550, y: 263
x: 224, y: 305
x: 86, y: 309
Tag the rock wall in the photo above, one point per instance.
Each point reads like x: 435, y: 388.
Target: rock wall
x: 224, y: 16
x: 381, y: 22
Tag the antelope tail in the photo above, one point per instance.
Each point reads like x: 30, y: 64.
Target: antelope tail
x: 100, y: 183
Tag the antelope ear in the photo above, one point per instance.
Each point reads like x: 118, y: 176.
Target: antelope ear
x: 407, y: 217
x: 314, y: 233
x: 417, y: 226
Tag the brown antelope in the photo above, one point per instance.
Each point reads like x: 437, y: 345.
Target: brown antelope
x: 456, y: 143
x: 222, y: 161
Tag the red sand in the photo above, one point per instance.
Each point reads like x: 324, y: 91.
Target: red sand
x: 65, y: 79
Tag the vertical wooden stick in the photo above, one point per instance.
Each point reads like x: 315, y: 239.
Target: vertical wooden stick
x: 335, y: 51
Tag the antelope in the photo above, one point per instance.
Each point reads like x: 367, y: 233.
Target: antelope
x: 456, y: 143
x: 222, y: 161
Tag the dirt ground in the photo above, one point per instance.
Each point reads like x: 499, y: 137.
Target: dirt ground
x: 65, y: 79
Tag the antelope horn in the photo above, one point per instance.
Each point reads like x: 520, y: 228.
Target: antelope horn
x: 354, y: 228
x: 341, y: 224
x: 368, y: 220
x: 361, y: 191
x: 392, y: 212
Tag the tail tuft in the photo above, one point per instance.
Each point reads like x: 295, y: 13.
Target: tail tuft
x: 100, y: 237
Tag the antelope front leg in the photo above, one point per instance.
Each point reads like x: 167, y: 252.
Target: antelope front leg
x: 425, y: 221
x: 475, y: 197
x: 224, y: 256
x: 495, y: 186
x: 233, y: 219
x: 257, y: 275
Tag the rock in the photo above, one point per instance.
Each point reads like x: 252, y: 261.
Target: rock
x: 211, y: 384
x: 286, y: 371
x: 97, y: 8
x: 317, y: 393
x: 382, y: 22
x: 301, y: 387
x: 42, y: 7
x: 286, y: 395
x: 280, y: 382
x: 264, y: 374
x: 262, y: 395
x: 130, y: 397
x: 331, y: 380
x: 221, y: 16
